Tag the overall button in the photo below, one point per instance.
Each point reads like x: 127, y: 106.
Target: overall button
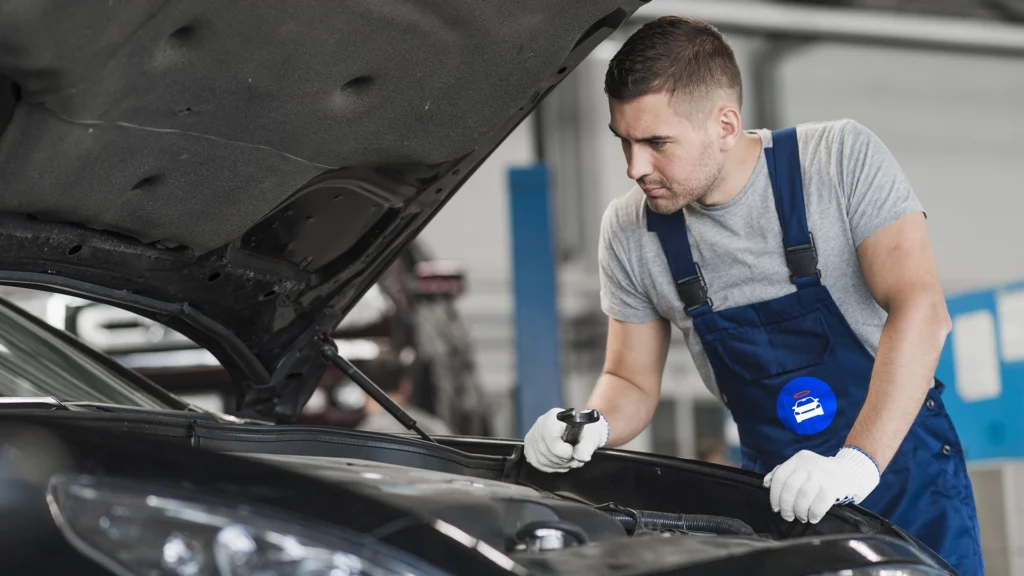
x: 930, y: 403
x: 947, y: 450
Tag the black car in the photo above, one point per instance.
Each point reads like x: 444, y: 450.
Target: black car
x: 243, y: 172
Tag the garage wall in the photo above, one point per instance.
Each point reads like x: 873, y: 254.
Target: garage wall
x: 474, y: 229
x: 953, y: 122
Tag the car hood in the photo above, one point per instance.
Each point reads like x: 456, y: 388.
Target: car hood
x: 492, y: 511
x: 244, y: 170
x: 495, y: 513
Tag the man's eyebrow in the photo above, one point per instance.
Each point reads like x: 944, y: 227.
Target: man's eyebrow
x: 648, y: 139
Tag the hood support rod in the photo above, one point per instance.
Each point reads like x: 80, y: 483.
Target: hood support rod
x: 330, y: 353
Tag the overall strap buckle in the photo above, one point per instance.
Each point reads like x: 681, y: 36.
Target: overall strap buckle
x: 686, y: 274
x: 693, y: 291
x: 803, y: 261
x: 784, y: 172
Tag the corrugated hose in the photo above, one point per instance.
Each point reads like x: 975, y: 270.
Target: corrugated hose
x: 652, y: 520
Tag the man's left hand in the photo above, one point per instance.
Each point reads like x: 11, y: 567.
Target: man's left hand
x: 807, y: 485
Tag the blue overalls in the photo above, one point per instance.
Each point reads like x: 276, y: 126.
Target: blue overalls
x: 794, y: 375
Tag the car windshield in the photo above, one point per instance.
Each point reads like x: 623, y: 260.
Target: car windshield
x: 35, y: 361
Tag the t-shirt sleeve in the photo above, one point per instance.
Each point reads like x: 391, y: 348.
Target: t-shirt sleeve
x: 621, y: 295
x: 874, y: 187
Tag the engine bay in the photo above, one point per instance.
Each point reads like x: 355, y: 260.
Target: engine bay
x: 509, y: 517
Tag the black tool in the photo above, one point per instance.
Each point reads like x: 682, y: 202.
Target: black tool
x: 574, y: 423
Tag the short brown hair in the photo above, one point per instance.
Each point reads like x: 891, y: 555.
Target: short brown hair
x: 676, y: 55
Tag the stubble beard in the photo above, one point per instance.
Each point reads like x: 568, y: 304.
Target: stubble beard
x: 676, y: 198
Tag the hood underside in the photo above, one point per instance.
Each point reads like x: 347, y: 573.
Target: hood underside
x: 244, y: 170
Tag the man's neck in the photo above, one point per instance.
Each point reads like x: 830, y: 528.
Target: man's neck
x: 739, y: 165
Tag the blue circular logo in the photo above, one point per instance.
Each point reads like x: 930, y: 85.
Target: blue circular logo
x: 806, y: 405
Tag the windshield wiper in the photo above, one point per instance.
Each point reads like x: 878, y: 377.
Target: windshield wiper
x: 329, y: 350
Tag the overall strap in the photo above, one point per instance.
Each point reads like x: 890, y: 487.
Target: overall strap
x: 671, y: 231
x: 783, y: 159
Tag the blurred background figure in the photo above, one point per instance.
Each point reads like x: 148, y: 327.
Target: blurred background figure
x: 395, y: 377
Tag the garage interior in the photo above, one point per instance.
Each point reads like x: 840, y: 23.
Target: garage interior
x: 503, y: 322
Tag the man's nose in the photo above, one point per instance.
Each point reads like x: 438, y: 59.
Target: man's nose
x: 637, y: 165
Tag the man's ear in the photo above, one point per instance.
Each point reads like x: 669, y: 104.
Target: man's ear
x: 728, y: 125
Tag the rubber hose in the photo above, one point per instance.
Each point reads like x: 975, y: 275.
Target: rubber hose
x: 687, y: 522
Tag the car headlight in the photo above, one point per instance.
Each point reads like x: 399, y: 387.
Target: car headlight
x: 137, y: 529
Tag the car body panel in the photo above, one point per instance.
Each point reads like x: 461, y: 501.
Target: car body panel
x: 467, y: 489
x: 245, y: 170
x: 458, y: 510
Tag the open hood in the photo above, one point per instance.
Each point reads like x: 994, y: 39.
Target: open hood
x: 243, y: 170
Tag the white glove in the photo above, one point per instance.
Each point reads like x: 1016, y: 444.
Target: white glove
x: 807, y: 485
x: 545, y: 449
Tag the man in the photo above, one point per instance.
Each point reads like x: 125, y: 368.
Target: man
x: 394, y: 378
x: 798, y: 266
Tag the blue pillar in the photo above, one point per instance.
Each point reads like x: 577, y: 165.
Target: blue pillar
x: 538, y: 340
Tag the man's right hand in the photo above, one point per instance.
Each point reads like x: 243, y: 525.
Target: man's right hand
x: 547, y: 452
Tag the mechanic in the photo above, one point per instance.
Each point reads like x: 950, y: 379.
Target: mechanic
x: 798, y: 267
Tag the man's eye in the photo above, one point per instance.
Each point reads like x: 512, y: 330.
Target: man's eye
x: 658, y: 144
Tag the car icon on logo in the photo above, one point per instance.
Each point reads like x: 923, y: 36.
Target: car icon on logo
x: 806, y: 408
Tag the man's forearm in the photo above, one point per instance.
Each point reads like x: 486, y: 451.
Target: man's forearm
x: 904, y: 369
x: 627, y: 408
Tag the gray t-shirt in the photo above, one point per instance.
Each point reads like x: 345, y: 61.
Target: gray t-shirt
x: 853, y: 187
